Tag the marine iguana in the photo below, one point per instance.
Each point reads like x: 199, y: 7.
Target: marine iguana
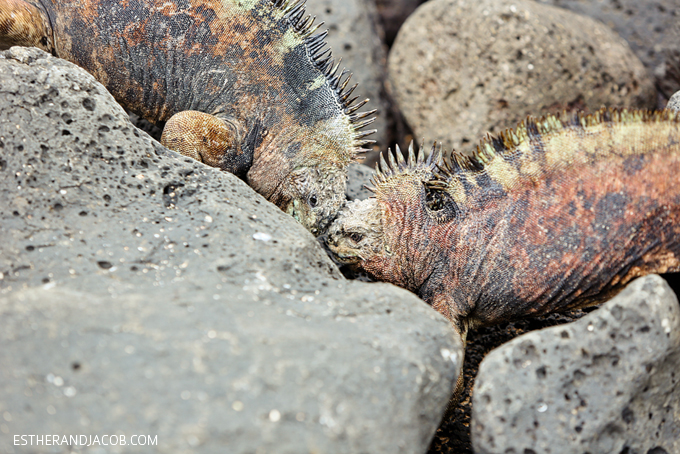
x: 244, y: 85
x: 557, y: 214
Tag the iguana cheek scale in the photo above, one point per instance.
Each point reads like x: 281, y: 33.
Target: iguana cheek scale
x: 246, y: 86
x: 557, y: 214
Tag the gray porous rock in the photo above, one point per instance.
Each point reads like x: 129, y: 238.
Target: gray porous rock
x: 355, y: 35
x: 607, y: 383
x: 144, y: 293
x: 674, y: 102
x: 359, y: 176
x: 459, y: 69
x: 650, y: 28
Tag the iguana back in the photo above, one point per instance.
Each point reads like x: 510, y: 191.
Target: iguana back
x: 244, y: 85
x: 559, y: 213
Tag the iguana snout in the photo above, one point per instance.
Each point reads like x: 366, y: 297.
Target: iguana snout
x: 357, y: 233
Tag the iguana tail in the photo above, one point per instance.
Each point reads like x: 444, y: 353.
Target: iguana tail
x: 24, y: 23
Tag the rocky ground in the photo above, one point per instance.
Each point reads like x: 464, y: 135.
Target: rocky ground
x: 141, y: 292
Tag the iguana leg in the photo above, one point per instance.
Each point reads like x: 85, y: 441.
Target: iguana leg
x: 208, y: 139
x: 24, y: 24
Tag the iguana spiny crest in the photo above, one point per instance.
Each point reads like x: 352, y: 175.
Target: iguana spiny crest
x: 248, y: 86
x: 557, y: 214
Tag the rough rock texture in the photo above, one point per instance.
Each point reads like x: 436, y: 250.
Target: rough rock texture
x: 647, y: 26
x: 671, y: 64
x: 145, y: 293
x: 453, y: 434
x: 460, y: 69
x: 674, y: 102
x: 355, y: 35
x: 359, y: 176
x: 607, y: 383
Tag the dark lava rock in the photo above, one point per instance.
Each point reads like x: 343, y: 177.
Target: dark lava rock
x: 143, y: 293
x: 607, y: 383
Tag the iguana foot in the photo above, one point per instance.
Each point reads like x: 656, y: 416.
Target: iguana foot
x: 24, y: 24
x: 208, y: 139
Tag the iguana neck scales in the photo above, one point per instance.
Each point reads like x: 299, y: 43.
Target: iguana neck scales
x: 244, y: 85
x: 560, y: 213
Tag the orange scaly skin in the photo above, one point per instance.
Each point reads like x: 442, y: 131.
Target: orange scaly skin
x: 245, y: 86
x: 558, y: 214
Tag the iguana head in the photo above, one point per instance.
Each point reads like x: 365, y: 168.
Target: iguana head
x: 303, y: 168
x: 313, y: 197
x: 315, y: 129
x: 387, y: 235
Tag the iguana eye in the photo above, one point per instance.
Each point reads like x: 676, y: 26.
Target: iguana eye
x: 440, y: 205
x: 312, y: 201
x: 435, y: 200
x: 356, y: 237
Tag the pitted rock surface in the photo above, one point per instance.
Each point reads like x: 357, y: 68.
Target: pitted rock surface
x: 142, y: 292
x: 359, y: 176
x: 650, y: 28
x: 674, y: 102
x: 459, y: 69
x: 607, y: 383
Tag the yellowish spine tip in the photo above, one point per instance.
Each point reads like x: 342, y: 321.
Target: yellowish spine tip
x: 383, y: 164
x: 392, y: 161
x: 421, y: 152
x: 411, y: 155
x: 400, y: 158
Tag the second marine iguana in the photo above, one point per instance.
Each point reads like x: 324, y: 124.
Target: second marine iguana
x: 243, y: 85
x: 557, y: 214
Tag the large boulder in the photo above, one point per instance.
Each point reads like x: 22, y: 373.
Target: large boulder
x: 359, y: 178
x: 607, y: 383
x: 460, y: 69
x: 144, y: 293
x: 650, y: 28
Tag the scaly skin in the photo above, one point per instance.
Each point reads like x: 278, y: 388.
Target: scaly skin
x: 243, y: 85
x: 558, y: 214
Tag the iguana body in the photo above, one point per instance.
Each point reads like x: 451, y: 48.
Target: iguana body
x: 243, y: 85
x: 559, y: 214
